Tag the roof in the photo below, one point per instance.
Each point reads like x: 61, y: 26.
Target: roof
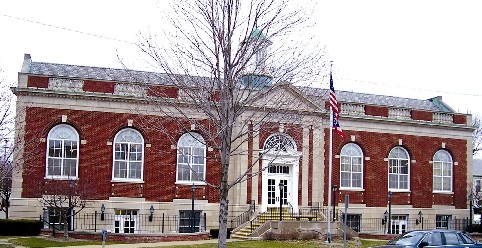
x: 371, y: 99
x: 317, y: 95
x: 96, y: 73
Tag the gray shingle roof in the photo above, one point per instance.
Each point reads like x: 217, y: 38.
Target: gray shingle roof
x: 353, y: 97
x: 96, y: 73
x: 317, y: 95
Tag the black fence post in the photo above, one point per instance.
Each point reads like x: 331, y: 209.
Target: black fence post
x: 204, y: 221
x: 162, y: 222
x: 95, y: 221
x: 73, y: 220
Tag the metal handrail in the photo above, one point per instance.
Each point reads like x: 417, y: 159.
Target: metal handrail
x: 244, y: 217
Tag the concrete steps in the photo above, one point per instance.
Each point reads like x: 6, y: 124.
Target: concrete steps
x: 272, y: 214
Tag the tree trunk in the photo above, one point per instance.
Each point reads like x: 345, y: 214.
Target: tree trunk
x: 66, y: 224
x: 223, y: 219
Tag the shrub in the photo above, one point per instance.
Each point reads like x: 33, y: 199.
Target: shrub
x: 214, y: 233
x: 20, y: 227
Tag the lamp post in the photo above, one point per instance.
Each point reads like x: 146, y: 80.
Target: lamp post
x: 193, y: 189
x: 280, y: 200
x: 389, y: 212
x: 334, y: 189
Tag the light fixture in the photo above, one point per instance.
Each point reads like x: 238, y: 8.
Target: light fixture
x: 151, y: 211
x: 102, y: 212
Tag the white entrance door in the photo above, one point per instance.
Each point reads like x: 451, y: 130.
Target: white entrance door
x: 277, y: 194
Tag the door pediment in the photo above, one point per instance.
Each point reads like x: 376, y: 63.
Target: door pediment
x: 285, y: 97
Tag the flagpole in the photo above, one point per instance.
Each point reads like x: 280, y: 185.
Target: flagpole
x: 330, y: 161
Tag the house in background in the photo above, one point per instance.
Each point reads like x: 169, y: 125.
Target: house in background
x: 92, y: 126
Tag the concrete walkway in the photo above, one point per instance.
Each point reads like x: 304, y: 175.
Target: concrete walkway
x: 139, y: 245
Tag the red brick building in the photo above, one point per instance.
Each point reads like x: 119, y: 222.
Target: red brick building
x: 93, y: 126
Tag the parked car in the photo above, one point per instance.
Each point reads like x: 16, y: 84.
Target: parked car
x: 433, y: 238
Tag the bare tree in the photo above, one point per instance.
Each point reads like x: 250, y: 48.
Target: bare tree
x: 477, y: 135
x: 6, y: 137
x: 65, y: 199
x: 226, y: 58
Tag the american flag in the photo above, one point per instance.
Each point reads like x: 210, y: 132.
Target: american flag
x: 336, y: 111
x: 333, y: 101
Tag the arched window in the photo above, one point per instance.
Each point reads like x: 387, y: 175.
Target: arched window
x: 128, y: 155
x: 398, y: 169
x: 442, y: 171
x: 351, y: 166
x: 62, y: 152
x: 279, y: 143
x: 191, y: 158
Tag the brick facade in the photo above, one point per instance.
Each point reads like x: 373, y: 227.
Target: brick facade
x: 377, y: 146
x: 376, y: 111
x: 421, y: 115
x: 95, y: 163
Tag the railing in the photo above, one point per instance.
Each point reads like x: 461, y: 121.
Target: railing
x: 401, y: 114
x: 380, y: 225
x: 139, y: 224
x: 352, y: 109
x: 244, y: 217
x: 442, y: 118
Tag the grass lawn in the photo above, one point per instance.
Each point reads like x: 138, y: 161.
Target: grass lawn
x: 50, y: 242
x: 289, y: 244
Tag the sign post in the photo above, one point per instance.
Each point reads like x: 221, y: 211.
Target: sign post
x: 104, y: 237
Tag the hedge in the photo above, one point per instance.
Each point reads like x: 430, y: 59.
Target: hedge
x: 214, y: 233
x: 20, y: 227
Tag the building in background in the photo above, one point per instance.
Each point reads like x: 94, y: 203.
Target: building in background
x: 410, y: 158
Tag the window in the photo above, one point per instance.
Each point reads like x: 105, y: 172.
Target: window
x: 125, y: 221
x: 186, y: 221
x: 442, y: 171
x: 353, y: 221
x: 398, y: 169
x: 279, y: 143
x: 191, y: 158
x: 54, y: 218
x: 128, y: 155
x: 279, y: 169
x: 443, y: 221
x: 433, y: 239
x: 62, y: 152
x: 452, y: 238
x: 351, y: 166
x: 398, y: 224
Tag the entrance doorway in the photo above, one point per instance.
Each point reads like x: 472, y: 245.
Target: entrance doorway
x: 278, y: 175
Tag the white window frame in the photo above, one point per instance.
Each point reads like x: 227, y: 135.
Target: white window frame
x: 351, y: 152
x: 398, y: 155
x: 186, y: 144
x: 62, y: 133
x: 443, y: 159
x: 131, y: 141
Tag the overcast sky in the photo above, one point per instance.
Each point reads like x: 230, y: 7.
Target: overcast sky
x: 416, y: 49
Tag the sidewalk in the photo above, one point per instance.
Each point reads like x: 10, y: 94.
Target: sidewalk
x: 139, y: 245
